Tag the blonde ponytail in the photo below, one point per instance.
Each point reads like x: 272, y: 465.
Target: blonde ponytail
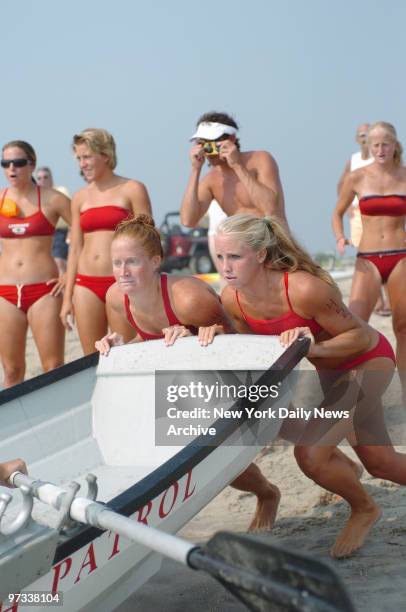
x: 284, y: 253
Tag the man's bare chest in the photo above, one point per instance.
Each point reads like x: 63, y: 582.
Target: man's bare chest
x: 232, y: 194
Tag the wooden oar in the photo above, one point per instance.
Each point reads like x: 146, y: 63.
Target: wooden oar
x: 263, y: 576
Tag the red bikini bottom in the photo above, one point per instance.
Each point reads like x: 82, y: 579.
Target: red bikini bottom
x: 98, y: 284
x: 24, y: 296
x: 382, y: 349
x: 384, y: 261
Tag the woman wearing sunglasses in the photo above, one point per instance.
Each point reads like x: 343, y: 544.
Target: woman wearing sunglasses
x: 97, y: 209
x: 30, y: 289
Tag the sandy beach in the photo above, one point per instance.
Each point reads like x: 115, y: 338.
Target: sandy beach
x: 308, y: 520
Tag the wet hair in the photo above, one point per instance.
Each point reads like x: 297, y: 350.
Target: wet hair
x: 141, y: 228
x: 25, y: 146
x: 99, y: 141
x: 391, y: 131
x: 283, y: 251
x: 215, y: 117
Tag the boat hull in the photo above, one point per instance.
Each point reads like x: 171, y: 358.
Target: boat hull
x: 108, y: 433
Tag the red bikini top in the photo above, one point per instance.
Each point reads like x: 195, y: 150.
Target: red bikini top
x: 25, y: 227
x: 172, y: 318
x: 383, y: 205
x: 277, y: 325
x: 102, y: 218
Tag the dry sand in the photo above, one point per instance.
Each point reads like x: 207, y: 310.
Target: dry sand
x: 308, y: 520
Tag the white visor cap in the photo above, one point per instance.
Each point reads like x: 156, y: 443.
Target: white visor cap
x: 211, y: 131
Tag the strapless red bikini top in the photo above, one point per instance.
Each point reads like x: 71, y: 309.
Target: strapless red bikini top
x: 101, y: 218
x: 383, y: 205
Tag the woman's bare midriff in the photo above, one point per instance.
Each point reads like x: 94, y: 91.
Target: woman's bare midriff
x: 95, y: 257
x: 382, y: 234
x: 27, y: 260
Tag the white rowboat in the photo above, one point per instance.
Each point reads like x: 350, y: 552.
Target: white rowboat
x: 86, y: 418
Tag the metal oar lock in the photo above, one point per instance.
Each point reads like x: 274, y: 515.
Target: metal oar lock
x: 92, y: 487
x: 23, y: 538
x: 23, y: 515
x: 264, y: 576
x: 66, y: 524
x: 35, y: 542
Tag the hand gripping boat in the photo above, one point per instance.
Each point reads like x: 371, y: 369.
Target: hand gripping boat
x: 96, y: 425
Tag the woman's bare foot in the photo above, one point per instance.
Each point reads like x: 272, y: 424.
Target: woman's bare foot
x: 383, y: 312
x: 355, y: 532
x: 266, y: 510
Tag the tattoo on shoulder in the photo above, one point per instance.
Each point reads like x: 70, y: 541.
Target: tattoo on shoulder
x: 338, y: 308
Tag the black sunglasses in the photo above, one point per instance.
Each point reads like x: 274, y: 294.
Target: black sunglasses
x: 17, y: 163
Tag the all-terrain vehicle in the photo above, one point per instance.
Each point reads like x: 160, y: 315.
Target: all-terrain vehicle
x: 185, y: 247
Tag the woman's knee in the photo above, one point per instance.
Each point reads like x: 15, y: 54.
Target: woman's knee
x: 13, y: 373
x: 51, y: 363
x: 399, y: 329
x: 308, y: 460
x: 378, y: 461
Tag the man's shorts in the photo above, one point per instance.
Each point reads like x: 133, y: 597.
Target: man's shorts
x: 59, y: 246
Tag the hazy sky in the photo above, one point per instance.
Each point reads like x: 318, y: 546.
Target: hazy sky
x: 298, y: 76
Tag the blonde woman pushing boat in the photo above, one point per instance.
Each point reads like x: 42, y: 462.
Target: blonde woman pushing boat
x: 274, y: 288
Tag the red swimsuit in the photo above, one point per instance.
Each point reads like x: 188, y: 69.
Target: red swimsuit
x: 383, y: 206
x: 290, y: 320
x: 21, y: 295
x: 96, y: 219
x: 25, y: 227
x: 102, y: 218
x: 172, y: 318
x: 277, y: 325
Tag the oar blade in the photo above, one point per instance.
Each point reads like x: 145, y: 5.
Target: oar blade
x: 267, y: 577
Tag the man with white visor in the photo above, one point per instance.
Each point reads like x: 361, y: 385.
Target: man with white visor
x: 240, y: 181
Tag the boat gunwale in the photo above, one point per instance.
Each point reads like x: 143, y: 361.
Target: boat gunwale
x: 45, y: 379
